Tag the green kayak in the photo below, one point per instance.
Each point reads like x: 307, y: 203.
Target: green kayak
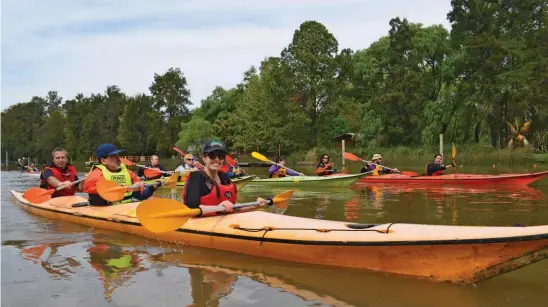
x: 320, y: 181
x: 240, y: 182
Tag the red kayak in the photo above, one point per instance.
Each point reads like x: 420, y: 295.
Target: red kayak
x: 458, y: 179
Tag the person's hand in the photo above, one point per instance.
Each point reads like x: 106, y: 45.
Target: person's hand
x: 453, y: 164
x: 301, y: 174
x: 66, y: 184
x: 331, y: 163
x: 139, y: 186
x: 228, y: 205
x: 261, y: 201
x: 395, y: 170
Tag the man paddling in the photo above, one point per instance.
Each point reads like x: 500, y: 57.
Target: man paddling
x: 111, y: 168
x: 59, y: 173
x: 376, y: 166
x: 154, y: 163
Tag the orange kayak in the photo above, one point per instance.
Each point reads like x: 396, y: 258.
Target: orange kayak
x: 457, y: 254
x: 459, y: 179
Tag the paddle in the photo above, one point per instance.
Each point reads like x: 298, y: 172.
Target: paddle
x: 182, y: 153
x: 39, y: 195
x: 352, y: 157
x: 454, y: 156
x: 112, y: 191
x: 258, y: 156
x: 162, y: 214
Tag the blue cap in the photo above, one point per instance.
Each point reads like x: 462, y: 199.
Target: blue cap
x: 105, y: 150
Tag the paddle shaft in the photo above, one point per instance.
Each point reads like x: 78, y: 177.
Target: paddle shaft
x: 219, y: 208
x: 59, y: 188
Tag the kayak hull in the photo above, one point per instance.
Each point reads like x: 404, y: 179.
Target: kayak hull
x: 458, y: 179
x: 314, y: 181
x: 239, y: 182
x: 440, y: 253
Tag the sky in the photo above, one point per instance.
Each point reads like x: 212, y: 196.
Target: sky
x: 83, y: 46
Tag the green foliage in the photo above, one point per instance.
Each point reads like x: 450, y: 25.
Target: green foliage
x: 194, y: 133
x: 400, y: 92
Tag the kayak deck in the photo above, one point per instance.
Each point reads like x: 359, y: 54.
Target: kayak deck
x: 317, y: 181
x: 507, y: 179
x: 441, y: 253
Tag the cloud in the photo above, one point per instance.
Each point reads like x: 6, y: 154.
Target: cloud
x: 84, y: 46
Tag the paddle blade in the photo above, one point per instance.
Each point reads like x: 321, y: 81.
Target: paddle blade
x: 38, y: 195
x: 182, y: 153
x: 281, y: 201
x: 225, y: 168
x: 258, y: 156
x: 152, y: 172
x: 351, y: 157
x: 454, y: 152
x: 172, y: 180
x: 163, y: 215
x: 230, y: 161
x: 126, y: 162
x: 110, y: 190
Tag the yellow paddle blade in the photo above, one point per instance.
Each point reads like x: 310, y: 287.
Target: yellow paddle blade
x: 38, y: 195
x: 172, y: 180
x: 258, y: 156
x: 163, y: 215
x: 110, y: 190
x: 454, y: 152
x: 281, y: 201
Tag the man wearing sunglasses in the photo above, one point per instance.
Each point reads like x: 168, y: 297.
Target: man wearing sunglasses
x: 210, y: 186
x: 111, y: 168
x: 376, y: 166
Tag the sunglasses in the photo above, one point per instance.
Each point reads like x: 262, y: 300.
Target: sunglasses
x: 188, y: 159
x: 215, y: 154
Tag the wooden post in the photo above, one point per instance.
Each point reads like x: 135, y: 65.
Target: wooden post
x: 279, y: 154
x: 441, y: 145
x: 6, y: 160
x: 343, y: 165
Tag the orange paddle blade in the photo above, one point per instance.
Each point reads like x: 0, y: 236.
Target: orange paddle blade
x: 230, y: 161
x: 110, y: 190
x: 127, y: 162
x: 38, y: 195
x: 225, y: 168
x: 179, y: 151
x: 351, y: 157
x: 172, y: 180
x: 152, y: 172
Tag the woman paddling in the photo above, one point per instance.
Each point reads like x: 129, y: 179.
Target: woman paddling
x: 324, y: 167
x: 277, y: 171
x: 436, y: 168
x: 209, y: 186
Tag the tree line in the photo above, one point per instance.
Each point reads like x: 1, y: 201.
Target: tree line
x: 476, y: 83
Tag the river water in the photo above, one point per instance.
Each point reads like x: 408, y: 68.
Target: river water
x: 56, y: 263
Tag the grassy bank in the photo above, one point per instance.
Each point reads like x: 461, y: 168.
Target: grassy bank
x: 466, y: 155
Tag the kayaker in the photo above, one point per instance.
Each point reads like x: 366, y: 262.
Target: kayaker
x: 32, y: 168
x: 188, y: 164
x: 235, y: 171
x: 153, y: 163
x: 111, y: 168
x: 436, y: 168
x: 59, y: 173
x: 376, y: 166
x: 277, y: 171
x: 324, y: 167
x: 209, y: 186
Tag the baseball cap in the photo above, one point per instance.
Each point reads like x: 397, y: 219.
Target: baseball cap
x: 105, y: 150
x: 214, y: 145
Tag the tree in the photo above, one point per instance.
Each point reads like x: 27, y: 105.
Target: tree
x: 316, y: 68
x: 194, y: 133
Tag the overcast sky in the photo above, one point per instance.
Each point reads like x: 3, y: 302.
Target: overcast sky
x: 82, y: 46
